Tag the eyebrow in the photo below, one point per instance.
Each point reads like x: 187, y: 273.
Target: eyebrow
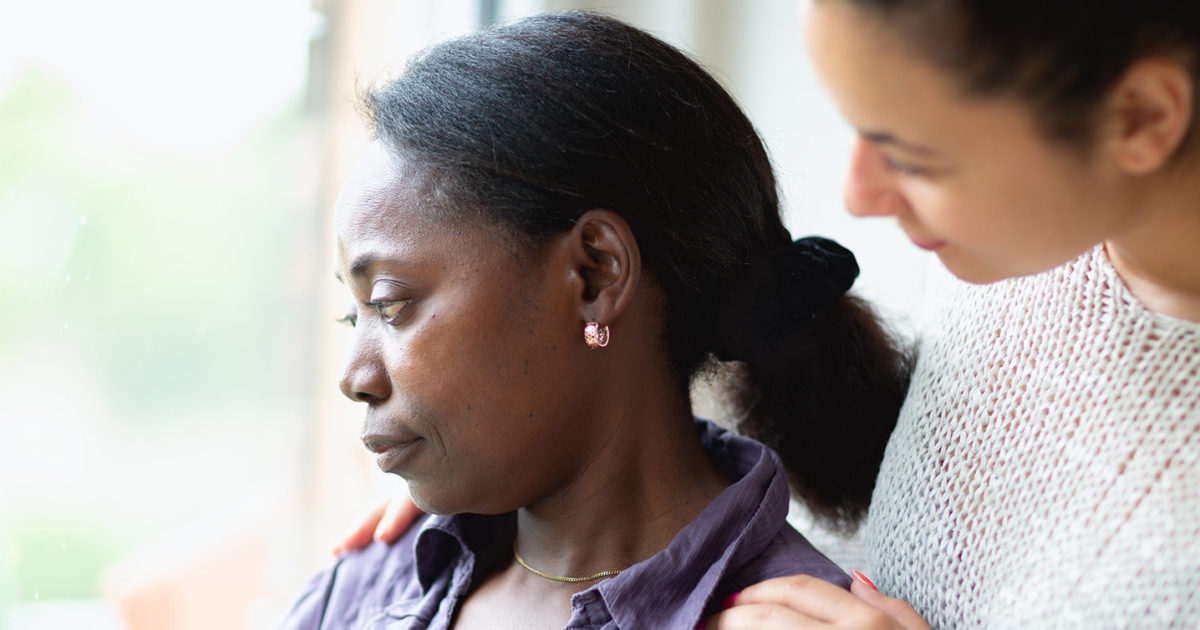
x: 358, y: 268
x: 882, y: 137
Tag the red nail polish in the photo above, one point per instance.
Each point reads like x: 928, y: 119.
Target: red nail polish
x: 863, y: 579
x: 728, y: 601
x: 699, y: 625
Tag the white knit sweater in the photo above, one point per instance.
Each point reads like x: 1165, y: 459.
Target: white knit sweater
x: 1045, y: 471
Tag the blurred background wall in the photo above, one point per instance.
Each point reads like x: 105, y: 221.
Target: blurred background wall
x: 173, y: 449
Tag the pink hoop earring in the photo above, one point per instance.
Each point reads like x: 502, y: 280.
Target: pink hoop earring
x: 595, y: 335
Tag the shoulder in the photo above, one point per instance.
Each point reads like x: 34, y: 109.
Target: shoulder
x: 1090, y: 476
x: 359, y: 585
x: 788, y: 553
x: 767, y: 545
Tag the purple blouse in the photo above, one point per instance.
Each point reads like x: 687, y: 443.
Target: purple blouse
x: 740, y: 539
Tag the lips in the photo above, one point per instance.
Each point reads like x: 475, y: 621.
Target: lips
x: 910, y: 226
x: 392, y: 460
x: 392, y: 448
x: 928, y: 245
x: 925, y: 243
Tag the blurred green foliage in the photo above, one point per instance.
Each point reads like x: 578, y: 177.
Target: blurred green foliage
x: 63, y: 558
x: 172, y: 280
x: 175, y: 264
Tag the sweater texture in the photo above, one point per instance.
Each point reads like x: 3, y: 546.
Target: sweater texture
x: 1045, y: 469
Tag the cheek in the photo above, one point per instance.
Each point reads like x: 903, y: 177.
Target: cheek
x: 934, y: 205
x: 963, y: 209
x: 481, y: 370
x: 443, y: 364
x: 491, y: 397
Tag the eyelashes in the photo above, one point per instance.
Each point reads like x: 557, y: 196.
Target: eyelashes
x: 389, y: 311
x: 903, y: 168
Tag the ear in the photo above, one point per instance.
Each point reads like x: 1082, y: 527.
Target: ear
x: 1148, y: 114
x: 608, y: 262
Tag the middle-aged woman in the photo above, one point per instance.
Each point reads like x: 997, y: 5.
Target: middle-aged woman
x: 562, y: 222
x: 1045, y: 470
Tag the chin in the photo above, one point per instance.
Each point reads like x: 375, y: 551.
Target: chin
x: 974, y: 276
x: 975, y: 271
x: 442, y: 503
x: 434, y: 502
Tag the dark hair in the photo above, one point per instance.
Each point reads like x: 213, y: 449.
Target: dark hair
x: 538, y: 121
x: 1061, y: 56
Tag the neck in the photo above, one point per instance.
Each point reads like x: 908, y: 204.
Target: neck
x: 1158, y: 258
x: 648, y: 477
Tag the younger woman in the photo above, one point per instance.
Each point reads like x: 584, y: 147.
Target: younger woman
x: 1045, y: 471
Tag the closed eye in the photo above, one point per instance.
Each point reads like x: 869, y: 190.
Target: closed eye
x: 904, y: 168
x: 389, y: 310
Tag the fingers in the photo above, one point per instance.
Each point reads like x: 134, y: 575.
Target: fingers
x: 359, y: 536
x: 801, y: 602
x: 892, y: 607
x: 812, y: 597
x: 399, y: 516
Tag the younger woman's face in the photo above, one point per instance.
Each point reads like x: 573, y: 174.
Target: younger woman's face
x: 466, y: 356
x: 970, y: 179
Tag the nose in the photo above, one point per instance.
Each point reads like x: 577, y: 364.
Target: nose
x: 870, y: 189
x: 364, y: 376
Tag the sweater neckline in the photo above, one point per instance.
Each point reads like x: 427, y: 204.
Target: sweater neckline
x: 1125, y: 297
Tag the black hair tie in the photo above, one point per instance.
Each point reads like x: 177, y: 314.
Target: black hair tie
x: 784, y: 290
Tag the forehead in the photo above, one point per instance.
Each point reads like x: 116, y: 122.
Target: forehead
x: 884, y: 88
x: 375, y: 195
x: 383, y: 213
x: 378, y: 213
x: 868, y: 69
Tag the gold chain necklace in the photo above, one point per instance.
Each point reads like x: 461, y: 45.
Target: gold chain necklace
x: 561, y: 578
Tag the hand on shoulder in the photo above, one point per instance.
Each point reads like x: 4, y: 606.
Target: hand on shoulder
x: 801, y: 601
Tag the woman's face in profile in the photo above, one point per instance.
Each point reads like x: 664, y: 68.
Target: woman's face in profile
x: 465, y: 354
x: 971, y: 178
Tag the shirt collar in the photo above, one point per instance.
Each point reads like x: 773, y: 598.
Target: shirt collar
x: 444, y: 541
x: 732, y: 530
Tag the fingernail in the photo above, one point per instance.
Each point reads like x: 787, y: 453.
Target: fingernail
x: 862, y: 578
x: 699, y: 625
x: 728, y: 601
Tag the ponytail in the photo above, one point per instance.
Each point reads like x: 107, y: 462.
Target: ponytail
x: 829, y: 411
x: 822, y: 379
